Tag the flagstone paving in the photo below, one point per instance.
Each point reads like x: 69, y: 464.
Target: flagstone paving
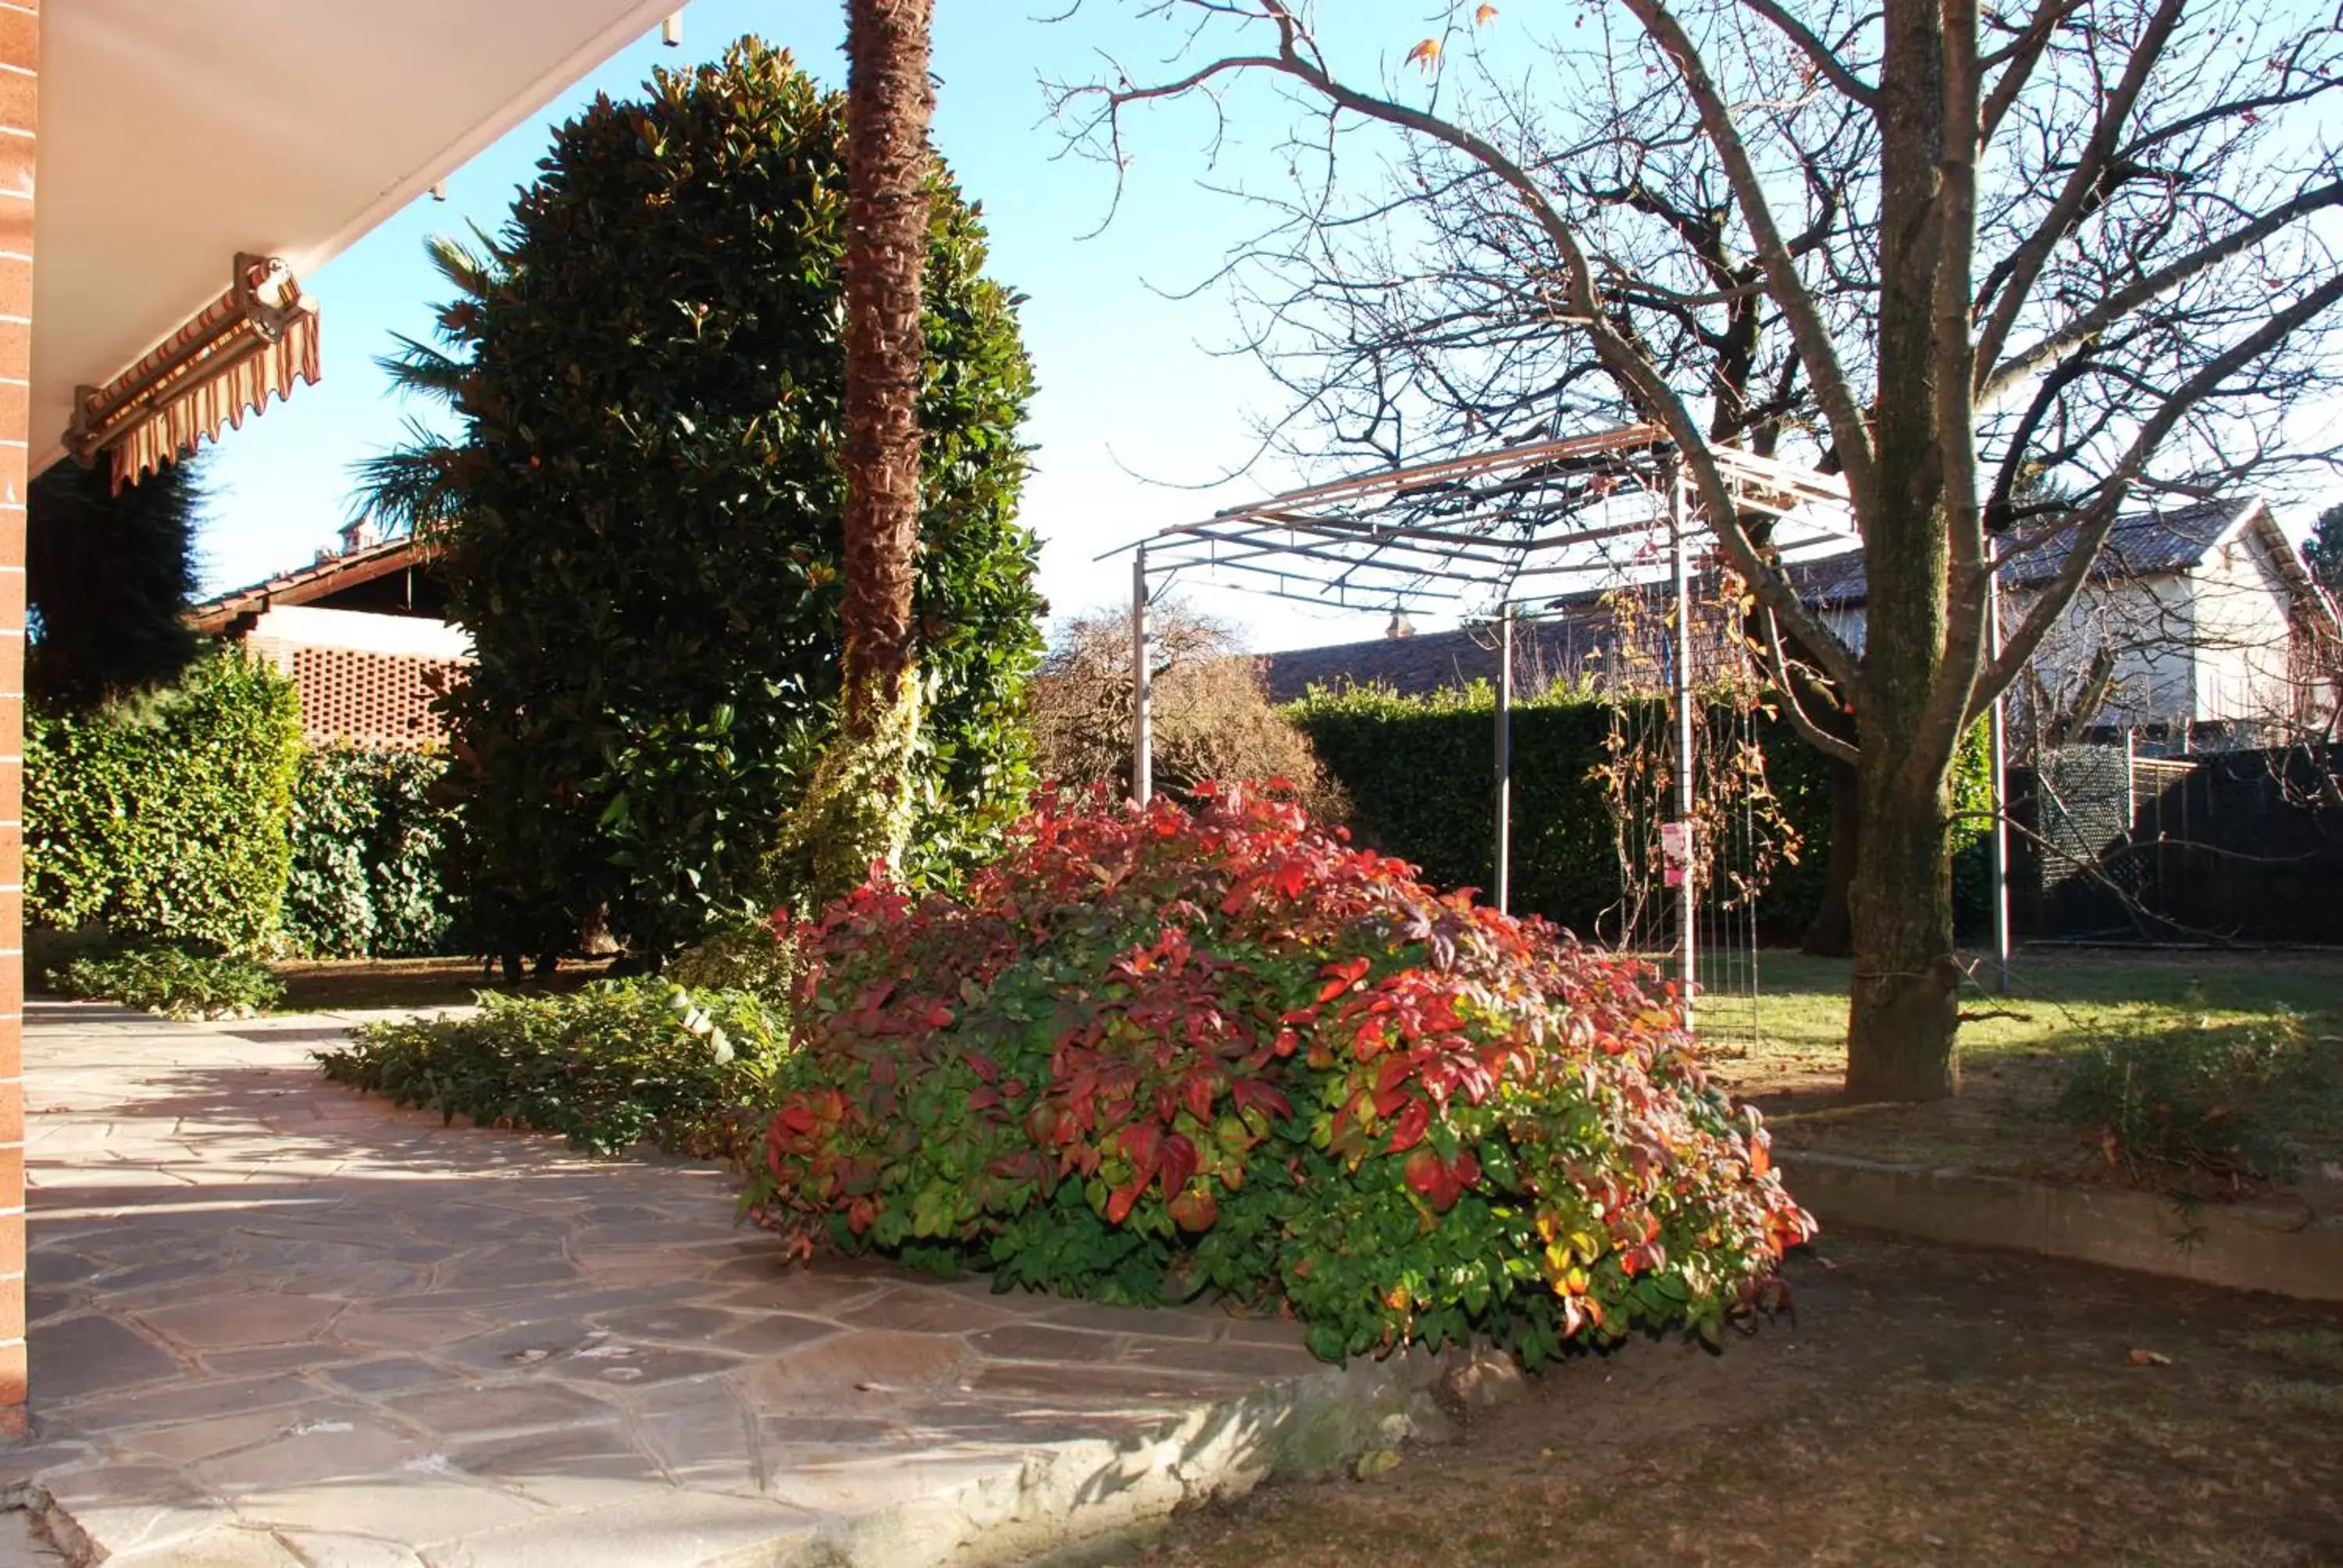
x: 278, y: 1323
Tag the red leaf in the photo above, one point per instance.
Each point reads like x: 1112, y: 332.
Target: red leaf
x: 1199, y: 1096
x: 1142, y: 1144
x: 1428, y: 1176
x: 1413, y: 1122
x: 1179, y: 1162
x: 1194, y: 1211
x: 1252, y: 1093
x: 1119, y: 1203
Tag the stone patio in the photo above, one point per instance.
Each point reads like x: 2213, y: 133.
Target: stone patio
x: 277, y: 1323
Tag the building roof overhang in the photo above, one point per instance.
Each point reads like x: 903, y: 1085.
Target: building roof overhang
x: 329, y: 575
x: 174, y: 136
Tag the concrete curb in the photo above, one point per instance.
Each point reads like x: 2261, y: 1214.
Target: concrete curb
x: 1066, y: 1499
x: 2289, y: 1249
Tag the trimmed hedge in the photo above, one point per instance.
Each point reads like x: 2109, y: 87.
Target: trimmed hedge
x: 164, y: 818
x: 1154, y: 1054
x: 367, y: 829
x: 1419, y: 772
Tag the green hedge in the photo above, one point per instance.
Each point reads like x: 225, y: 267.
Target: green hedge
x: 165, y: 817
x: 1419, y: 773
x: 366, y: 831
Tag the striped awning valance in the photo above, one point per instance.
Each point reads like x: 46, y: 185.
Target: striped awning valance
x: 253, y: 342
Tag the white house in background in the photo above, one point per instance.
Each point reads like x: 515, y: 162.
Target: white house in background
x: 2204, y: 620
x: 2213, y: 630
x: 363, y: 632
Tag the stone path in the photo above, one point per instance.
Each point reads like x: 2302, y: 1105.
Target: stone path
x: 278, y: 1324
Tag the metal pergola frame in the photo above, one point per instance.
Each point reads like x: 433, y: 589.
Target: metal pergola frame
x: 1490, y: 534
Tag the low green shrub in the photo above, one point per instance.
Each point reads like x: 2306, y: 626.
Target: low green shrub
x: 174, y: 981
x: 1155, y: 1052
x: 2203, y: 1109
x: 607, y: 1067
x: 164, y: 818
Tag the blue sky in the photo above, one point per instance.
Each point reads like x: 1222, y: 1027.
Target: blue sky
x: 1136, y: 413
x: 1132, y: 403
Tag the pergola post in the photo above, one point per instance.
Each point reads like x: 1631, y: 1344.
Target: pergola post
x: 1504, y: 758
x: 1997, y: 765
x: 1686, y: 856
x: 1142, y: 738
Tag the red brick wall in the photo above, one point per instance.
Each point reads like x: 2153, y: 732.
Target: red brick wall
x: 20, y: 49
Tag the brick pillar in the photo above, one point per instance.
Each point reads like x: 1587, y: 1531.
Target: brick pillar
x: 20, y: 50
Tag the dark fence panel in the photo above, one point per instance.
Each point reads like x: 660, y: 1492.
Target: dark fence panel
x: 2240, y: 846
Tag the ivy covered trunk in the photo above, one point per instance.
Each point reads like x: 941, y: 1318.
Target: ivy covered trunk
x: 864, y: 790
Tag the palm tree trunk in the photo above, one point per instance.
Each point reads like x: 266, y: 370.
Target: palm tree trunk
x: 857, y: 810
x: 888, y: 101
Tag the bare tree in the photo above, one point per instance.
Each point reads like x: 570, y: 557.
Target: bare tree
x: 1949, y: 253
x: 1212, y: 714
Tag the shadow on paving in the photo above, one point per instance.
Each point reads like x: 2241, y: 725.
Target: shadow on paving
x: 272, y: 1316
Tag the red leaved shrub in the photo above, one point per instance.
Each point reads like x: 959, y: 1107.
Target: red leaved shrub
x: 1155, y: 1052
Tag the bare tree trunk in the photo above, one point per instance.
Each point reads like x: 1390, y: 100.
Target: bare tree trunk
x: 889, y: 102
x: 1903, y: 1007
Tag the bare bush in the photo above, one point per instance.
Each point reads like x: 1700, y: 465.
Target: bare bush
x: 1212, y: 716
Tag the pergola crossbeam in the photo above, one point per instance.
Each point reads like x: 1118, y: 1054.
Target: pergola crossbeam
x: 1473, y: 532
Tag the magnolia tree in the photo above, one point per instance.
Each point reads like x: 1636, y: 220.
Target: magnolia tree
x: 1969, y: 259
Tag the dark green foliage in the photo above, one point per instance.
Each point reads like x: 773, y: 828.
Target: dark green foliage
x: 367, y: 835
x: 643, y: 514
x: 164, y: 818
x: 1418, y: 774
x: 2323, y: 549
x: 606, y: 1067
x: 108, y: 577
x: 174, y: 981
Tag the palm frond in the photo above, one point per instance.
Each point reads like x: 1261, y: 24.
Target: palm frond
x: 409, y: 486
x: 415, y: 367
x: 473, y: 271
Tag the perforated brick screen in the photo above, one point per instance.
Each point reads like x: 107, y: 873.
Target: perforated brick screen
x: 374, y: 700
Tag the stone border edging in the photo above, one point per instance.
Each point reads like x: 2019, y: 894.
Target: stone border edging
x: 1069, y: 1500
x: 2289, y: 1251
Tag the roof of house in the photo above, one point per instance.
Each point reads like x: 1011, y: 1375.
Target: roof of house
x: 2143, y: 544
x: 328, y: 575
x: 1575, y: 628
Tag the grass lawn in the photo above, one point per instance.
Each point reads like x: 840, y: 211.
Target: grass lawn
x: 1919, y: 1406
x: 339, y: 985
x: 2017, y: 1050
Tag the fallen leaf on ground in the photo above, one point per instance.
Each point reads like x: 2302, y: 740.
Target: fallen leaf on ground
x: 1380, y: 1462
x: 2150, y: 1359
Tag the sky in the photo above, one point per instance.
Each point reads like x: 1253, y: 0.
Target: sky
x: 1135, y: 405
x: 1140, y: 405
